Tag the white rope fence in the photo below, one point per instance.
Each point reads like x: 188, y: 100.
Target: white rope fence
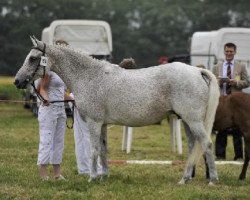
x: 167, y: 162
x: 175, y: 134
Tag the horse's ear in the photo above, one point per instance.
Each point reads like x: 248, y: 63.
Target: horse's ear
x: 33, y: 40
x: 36, y: 42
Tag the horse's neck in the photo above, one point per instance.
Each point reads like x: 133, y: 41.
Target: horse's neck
x: 72, y: 66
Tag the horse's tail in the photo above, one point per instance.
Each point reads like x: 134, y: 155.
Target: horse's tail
x: 213, y: 100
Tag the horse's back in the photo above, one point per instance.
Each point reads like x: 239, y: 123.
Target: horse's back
x: 240, y: 104
x: 153, y: 91
x: 236, y: 101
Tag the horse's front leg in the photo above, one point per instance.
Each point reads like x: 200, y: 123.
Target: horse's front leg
x: 103, y: 153
x: 95, y: 146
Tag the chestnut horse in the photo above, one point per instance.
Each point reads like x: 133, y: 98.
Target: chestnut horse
x: 234, y: 111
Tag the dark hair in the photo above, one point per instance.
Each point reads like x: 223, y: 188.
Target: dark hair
x: 61, y: 42
x: 128, y: 63
x: 230, y: 45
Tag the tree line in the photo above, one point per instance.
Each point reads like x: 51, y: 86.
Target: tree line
x: 142, y: 29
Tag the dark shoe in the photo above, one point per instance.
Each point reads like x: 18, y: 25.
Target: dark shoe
x: 238, y: 158
x: 220, y: 158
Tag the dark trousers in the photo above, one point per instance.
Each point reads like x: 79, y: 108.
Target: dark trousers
x: 221, y: 143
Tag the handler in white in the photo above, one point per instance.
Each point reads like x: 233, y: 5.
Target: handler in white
x: 82, y: 144
x: 52, y: 125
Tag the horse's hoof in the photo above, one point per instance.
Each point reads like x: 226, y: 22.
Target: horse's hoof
x: 91, y: 179
x: 215, y: 179
x: 106, y: 173
x: 182, y: 182
x: 211, y: 183
x: 104, y: 177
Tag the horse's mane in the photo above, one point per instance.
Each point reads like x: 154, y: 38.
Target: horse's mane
x: 127, y: 63
x: 80, y: 54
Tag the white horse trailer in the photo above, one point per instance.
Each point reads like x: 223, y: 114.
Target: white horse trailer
x: 92, y: 37
x: 207, y: 48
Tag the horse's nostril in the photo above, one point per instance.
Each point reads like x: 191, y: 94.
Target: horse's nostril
x: 16, y: 82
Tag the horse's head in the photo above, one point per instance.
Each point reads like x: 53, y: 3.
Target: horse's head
x: 35, y: 65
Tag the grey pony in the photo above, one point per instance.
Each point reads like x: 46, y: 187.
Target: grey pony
x: 108, y: 94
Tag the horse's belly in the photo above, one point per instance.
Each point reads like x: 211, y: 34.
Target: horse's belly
x: 135, y: 120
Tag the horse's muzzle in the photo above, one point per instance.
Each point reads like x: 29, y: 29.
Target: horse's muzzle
x: 21, y: 85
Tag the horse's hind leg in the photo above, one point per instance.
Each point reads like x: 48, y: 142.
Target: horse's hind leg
x: 206, y: 145
x: 210, y: 164
x: 190, y: 166
x: 246, y: 161
x: 207, y: 169
x: 198, y: 131
x: 191, y: 141
x: 103, y: 153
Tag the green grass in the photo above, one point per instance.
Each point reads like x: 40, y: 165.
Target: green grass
x: 8, y: 91
x: 19, y: 177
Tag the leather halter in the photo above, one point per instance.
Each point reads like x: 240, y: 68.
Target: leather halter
x: 38, y: 65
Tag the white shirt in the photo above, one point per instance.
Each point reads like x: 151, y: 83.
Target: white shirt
x: 225, y: 65
x: 56, y: 89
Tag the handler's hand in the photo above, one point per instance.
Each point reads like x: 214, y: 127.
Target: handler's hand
x: 233, y: 82
x: 45, y: 102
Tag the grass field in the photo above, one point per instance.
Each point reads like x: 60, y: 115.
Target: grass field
x: 8, y: 89
x: 19, y: 176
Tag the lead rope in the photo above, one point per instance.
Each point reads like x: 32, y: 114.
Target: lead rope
x: 57, y: 101
x: 38, y: 94
x: 73, y: 108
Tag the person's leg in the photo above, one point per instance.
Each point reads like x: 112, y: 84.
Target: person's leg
x: 58, y: 141
x: 56, y: 171
x: 43, y: 172
x: 237, y: 142
x: 45, y: 140
x: 221, y: 144
x: 82, y: 144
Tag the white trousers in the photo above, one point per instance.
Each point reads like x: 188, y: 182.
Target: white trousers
x: 52, y: 127
x: 82, y: 145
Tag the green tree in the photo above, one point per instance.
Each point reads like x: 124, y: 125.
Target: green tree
x: 142, y: 29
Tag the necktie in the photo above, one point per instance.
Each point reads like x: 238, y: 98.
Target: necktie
x: 228, y: 88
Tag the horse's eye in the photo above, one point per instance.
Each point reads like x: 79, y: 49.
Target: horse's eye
x: 32, y: 58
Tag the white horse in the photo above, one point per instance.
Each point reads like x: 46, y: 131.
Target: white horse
x: 108, y: 94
